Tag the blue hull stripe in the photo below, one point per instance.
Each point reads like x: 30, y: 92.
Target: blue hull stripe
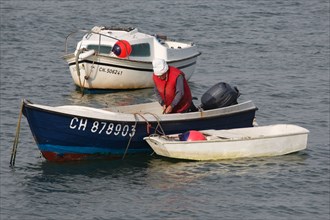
x: 84, y: 150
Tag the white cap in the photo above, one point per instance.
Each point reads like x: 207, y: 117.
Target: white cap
x: 160, y: 66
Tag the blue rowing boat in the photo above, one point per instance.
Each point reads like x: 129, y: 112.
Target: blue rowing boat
x: 73, y: 132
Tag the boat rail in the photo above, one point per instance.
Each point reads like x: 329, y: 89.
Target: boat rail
x: 88, y: 32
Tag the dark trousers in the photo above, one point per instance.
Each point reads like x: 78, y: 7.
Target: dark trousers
x: 192, y: 108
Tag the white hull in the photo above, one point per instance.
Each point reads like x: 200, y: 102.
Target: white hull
x: 263, y: 141
x: 102, y: 72
x: 95, y: 65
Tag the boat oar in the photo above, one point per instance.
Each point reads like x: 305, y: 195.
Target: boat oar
x: 14, y: 150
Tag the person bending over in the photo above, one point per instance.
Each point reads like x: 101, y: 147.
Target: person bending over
x: 171, y: 88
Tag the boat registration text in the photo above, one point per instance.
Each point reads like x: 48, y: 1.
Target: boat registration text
x: 100, y: 69
x: 101, y: 127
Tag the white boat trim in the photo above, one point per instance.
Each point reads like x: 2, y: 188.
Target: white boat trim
x: 148, y: 110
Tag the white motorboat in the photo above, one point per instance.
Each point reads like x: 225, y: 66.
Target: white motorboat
x: 121, y: 58
x: 262, y: 141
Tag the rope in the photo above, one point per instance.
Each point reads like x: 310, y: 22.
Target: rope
x: 158, y: 124
x: 129, y: 141
x: 148, y: 128
x: 90, y: 73
x: 95, y: 56
x: 78, y: 70
x: 15, y: 144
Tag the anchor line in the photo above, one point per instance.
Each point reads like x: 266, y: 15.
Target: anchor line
x: 15, y: 144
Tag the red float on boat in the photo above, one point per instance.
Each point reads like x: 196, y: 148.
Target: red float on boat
x: 122, y: 48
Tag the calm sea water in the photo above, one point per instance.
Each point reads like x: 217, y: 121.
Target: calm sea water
x: 275, y: 52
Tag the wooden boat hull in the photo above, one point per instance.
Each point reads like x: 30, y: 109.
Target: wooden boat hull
x: 263, y: 141
x: 77, y: 132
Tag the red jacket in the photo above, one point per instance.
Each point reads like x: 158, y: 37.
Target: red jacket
x: 167, y: 88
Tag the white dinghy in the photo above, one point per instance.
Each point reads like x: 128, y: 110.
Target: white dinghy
x: 262, y: 141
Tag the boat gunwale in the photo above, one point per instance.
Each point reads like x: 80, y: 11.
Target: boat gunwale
x: 150, y: 117
x: 127, y: 30
x: 127, y: 65
x: 160, y: 140
x: 69, y: 56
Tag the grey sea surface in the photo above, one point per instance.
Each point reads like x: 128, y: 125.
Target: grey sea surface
x: 275, y: 52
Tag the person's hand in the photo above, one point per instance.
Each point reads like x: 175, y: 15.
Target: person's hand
x: 164, y: 109
x: 168, y: 109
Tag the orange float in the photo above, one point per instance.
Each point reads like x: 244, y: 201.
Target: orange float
x: 122, y: 49
x: 192, y: 136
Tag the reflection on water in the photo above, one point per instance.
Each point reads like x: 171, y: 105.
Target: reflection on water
x: 154, y: 171
x: 109, y: 98
x: 95, y: 168
x: 79, y: 176
x: 171, y: 174
x: 177, y: 184
x: 166, y: 173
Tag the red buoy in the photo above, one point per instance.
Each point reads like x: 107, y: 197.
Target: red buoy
x: 192, y: 136
x: 122, y: 49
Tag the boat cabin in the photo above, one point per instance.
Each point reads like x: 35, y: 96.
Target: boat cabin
x: 144, y: 47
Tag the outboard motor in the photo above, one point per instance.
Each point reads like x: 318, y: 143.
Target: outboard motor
x: 218, y: 96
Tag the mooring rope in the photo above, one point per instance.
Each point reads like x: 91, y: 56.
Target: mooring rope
x: 95, y: 56
x: 130, y: 139
x: 158, y: 123
x: 148, y: 127
x: 90, y: 72
x: 136, y: 121
x: 78, y: 70
x: 15, y: 144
